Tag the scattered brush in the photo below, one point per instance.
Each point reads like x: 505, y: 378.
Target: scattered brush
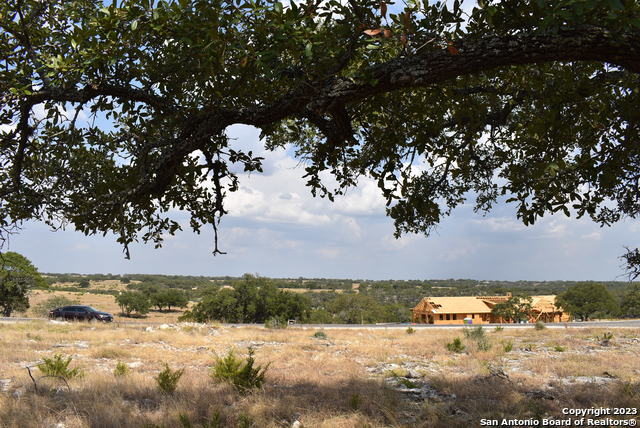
x: 215, y: 421
x: 474, y: 333
x: 121, y: 369
x: 355, y: 401
x: 605, y: 339
x: 241, y: 374
x: 168, y: 379
x: 540, y: 325
x: 483, y: 343
x: 498, y: 328
x: 411, y: 330
x: 58, y: 366
x: 320, y: 335
x: 477, y: 334
x: 275, y: 323
x: 559, y: 348
x: 456, y: 346
x: 507, y: 346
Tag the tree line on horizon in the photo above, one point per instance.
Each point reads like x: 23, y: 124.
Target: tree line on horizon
x: 258, y: 299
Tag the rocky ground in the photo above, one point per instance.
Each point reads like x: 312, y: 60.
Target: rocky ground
x: 341, y: 378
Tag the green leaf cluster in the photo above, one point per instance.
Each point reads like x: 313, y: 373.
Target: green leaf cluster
x: 588, y: 299
x: 252, y: 300
x: 58, y: 366
x: 133, y: 302
x: 17, y: 277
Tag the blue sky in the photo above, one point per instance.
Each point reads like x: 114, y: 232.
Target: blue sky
x: 275, y: 228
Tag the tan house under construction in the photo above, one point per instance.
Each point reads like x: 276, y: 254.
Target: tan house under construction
x: 477, y: 310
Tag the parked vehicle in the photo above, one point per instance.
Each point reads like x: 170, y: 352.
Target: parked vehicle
x: 80, y: 313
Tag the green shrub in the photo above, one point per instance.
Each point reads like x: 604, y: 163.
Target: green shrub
x: 540, y: 325
x: 411, y: 330
x: 558, y: 348
x: 498, y: 328
x: 608, y: 336
x: 474, y: 333
x: 483, y: 343
x: 456, y: 345
x: 275, y: 322
x: 168, y: 379
x: 355, y: 401
x: 407, y: 383
x: 244, y: 421
x: 133, y: 301
x: 477, y: 334
x: 605, y: 339
x: 320, y: 335
x: 507, y: 346
x: 121, y: 369
x: 58, y: 366
x: 241, y: 374
x: 214, y: 422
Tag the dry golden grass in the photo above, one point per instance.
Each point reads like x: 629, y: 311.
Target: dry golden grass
x: 312, y: 290
x: 107, y: 284
x: 103, y: 302
x: 340, y: 381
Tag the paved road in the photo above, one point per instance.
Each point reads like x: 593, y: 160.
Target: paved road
x: 590, y: 324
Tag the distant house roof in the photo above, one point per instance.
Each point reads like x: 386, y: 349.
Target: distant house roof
x: 544, y: 303
x: 455, y: 305
x: 478, y: 304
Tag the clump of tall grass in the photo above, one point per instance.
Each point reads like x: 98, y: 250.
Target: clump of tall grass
x: 473, y: 333
x: 477, y: 334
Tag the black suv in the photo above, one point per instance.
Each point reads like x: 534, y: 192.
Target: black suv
x: 85, y: 313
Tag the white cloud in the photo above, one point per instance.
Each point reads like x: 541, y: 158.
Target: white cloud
x: 366, y: 199
x: 329, y: 252
x: 500, y: 224
x: 595, y: 235
x: 555, y: 228
x: 392, y: 244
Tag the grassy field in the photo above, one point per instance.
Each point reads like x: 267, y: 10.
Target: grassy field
x: 103, y: 302
x: 336, y: 378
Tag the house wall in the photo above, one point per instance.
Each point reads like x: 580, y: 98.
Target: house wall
x: 459, y: 318
x: 424, y: 313
x: 424, y: 317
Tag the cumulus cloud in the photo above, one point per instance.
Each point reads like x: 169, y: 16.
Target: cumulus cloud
x: 500, y: 224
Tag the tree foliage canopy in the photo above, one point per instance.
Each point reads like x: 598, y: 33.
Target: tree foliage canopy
x: 133, y: 301
x: 631, y: 302
x: 253, y: 300
x: 515, y: 309
x: 113, y: 116
x: 588, y: 299
x: 17, y: 277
